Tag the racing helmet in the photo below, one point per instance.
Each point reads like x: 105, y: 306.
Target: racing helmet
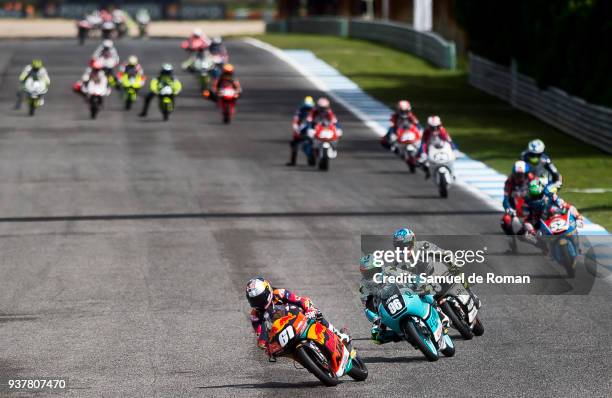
x: 228, y: 69
x: 434, y: 122
x: 259, y: 293
x: 308, y: 102
x: 367, y: 266
x: 197, y: 32
x: 519, y: 170
x: 404, y: 107
x: 404, y: 237
x: 132, y: 60
x: 37, y: 64
x: 107, y: 43
x: 217, y: 40
x: 166, y: 69
x: 323, y: 104
x: 535, y: 149
x: 536, y: 189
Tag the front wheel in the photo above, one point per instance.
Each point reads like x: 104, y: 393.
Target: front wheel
x: 324, y: 163
x: 422, y: 342
x: 478, y: 328
x: 32, y: 107
x: 359, y: 371
x: 311, y: 361
x: 458, y: 323
x: 443, y: 187
x: 94, y: 107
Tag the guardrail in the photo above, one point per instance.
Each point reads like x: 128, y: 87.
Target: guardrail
x: 572, y: 115
x: 427, y: 45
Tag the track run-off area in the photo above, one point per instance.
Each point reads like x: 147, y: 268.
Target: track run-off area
x: 127, y: 243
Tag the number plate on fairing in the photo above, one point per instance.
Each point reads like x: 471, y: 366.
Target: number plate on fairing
x: 395, y: 305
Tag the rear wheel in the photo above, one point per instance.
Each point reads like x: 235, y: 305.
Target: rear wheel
x: 478, y: 328
x: 458, y: 323
x: 422, y: 342
x: 359, y: 371
x: 312, y: 362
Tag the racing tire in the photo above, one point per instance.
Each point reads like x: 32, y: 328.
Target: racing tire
x: 478, y: 328
x: 410, y: 331
x: 324, y: 164
x: 93, y: 107
x: 32, y: 108
x: 568, y: 261
x: 449, y: 351
x: 226, y: 117
x: 165, y: 115
x: 312, y: 161
x: 359, y: 371
x: 306, y: 358
x: 462, y: 327
x: 128, y: 104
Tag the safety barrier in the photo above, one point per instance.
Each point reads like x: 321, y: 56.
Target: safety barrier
x: 574, y: 116
x: 427, y: 45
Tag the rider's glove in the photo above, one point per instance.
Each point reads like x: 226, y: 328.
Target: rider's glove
x: 510, y: 211
x: 312, y: 313
x: 580, y: 222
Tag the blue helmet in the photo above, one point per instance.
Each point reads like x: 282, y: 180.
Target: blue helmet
x: 404, y: 237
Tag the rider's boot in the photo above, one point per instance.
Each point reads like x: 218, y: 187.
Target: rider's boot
x: 292, y: 158
x: 145, y: 109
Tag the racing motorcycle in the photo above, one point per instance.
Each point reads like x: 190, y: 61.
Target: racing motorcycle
x: 409, y: 141
x: 226, y: 100
x: 35, y: 89
x: 166, y: 101
x: 561, y: 238
x: 96, y: 91
x: 511, y: 221
x: 413, y: 317
x: 130, y: 85
x: 461, y: 307
x: 325, y: 137
x: 142, y: 19
x: 315, y: 347
x: 440, y: 159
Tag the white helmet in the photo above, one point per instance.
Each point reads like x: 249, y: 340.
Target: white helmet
x: 434, y: 121
x: 323, y: 103
x: 520, y: 167
x: 197, y: 32
x: 535, y: 147
x: 107, y: 43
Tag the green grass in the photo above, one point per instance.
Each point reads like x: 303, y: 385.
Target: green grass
x: 484, y: 127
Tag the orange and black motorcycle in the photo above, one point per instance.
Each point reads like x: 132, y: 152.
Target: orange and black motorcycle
x: 308, y: 342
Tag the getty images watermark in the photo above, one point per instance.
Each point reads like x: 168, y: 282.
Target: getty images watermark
x: 453, y: 259
x: 496, y: 263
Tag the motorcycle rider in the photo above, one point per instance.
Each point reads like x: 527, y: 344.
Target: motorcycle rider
x: 300, y: 127
x: 217, y: 47
x: 165, y: 78
x: 540, y: 204
x: 516, y: 183
x: 261, y: 296
x: 434, y: 129
x: 403, y: 113
x: 541, y: 164
x: 93, y: 71
x: 35, y: 70
x: 130, y: 67
x: 323, y: 112
x: 106, y: 51
x: 226, y: 79
x: 195, y: 44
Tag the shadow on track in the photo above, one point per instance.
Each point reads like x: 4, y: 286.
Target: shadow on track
x: 269, y: 384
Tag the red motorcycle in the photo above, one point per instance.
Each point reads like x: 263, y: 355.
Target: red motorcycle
x: 409, y: 141
x: 326, y: 136
x: 226, y: 100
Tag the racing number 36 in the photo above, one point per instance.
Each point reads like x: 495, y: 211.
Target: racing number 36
x: 394, y: 306
x: 286, y: 335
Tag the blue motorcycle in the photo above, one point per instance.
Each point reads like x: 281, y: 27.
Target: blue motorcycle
x: 413, y: 317
x: 561, y: 239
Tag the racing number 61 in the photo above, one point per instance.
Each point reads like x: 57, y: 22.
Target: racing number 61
x: 286, y: 335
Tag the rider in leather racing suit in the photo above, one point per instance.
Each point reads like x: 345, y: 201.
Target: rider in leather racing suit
x: 300, y: 128
x: 35, y: 70
x: 540, y: 204
x: 402, y: 238
x: 434, y: 129
x: 165, y: 78
x: 516, y: 184
x: 261, y: 296
x: 540, y: 164
x: 403, y: 113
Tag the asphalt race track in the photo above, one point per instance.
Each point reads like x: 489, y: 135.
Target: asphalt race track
x: 126, y: 245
